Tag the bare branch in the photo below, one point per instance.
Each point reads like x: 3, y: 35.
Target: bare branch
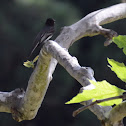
x: 76, y: 112
x: 42, y: 74
x: 81, y: 74
x: 90, y: 25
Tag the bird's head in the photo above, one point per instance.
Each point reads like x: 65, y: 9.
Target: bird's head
x: 50, y: 22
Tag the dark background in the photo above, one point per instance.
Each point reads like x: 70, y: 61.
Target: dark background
x: 20, y: 21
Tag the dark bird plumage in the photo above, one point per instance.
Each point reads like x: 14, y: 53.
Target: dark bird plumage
x: 45, y: 34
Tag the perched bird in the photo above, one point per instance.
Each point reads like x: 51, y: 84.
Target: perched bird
x: 45, y: 34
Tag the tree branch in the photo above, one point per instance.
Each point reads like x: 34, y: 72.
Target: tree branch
x: 42, y: 74
x: 90, y: 25
x: 116, y: 114
x: 96, y: 102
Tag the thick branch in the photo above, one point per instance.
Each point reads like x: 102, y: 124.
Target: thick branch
x: 117, y: 113
x: 41, y: 77
x: 81, y: 74
x: 90, y: 25
x: 9, y: 99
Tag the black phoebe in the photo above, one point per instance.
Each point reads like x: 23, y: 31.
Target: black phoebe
x: 45, y: 34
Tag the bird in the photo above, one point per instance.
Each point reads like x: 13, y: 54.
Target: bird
x: 45, y: 34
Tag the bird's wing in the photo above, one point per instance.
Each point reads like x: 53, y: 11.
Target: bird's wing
x: 40, y: 40
x: 44, y: 35
x: 37, y: 44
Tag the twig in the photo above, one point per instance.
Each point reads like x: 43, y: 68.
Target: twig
x: 76, y: 112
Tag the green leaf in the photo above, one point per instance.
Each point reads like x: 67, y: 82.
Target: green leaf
x: 118, y: 68
x: 102, y: 90
x: 29, y: 64
x: 120, y: 41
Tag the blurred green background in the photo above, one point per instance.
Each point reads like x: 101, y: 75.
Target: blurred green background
x: 20, y: 21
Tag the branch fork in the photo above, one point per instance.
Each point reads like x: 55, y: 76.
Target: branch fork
x: 26, y: 104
